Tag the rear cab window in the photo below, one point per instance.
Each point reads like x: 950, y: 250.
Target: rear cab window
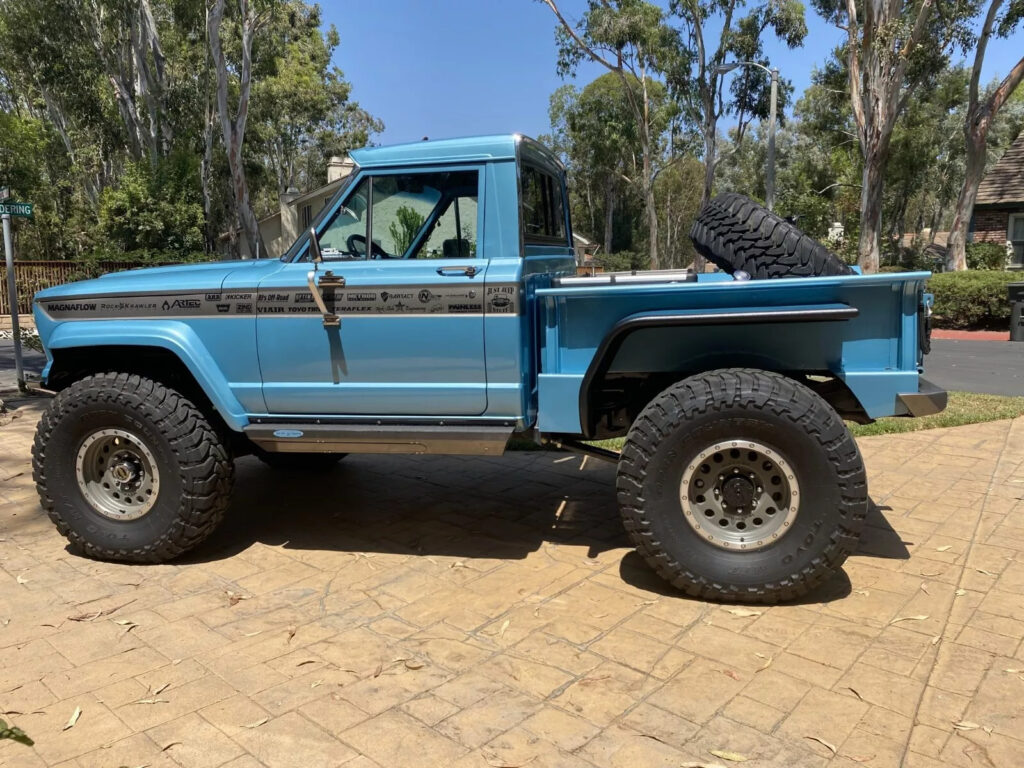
x: 543, y: 207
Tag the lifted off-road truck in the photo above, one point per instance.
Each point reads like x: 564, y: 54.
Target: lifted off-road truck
x: 434, y: 307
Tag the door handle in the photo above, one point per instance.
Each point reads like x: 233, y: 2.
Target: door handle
x: 329, y: 280
x: 469, y: 271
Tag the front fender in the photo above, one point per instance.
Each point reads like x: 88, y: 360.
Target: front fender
x: 175, y: 337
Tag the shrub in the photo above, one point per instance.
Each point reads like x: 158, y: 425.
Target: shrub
x: 972, y: 299
x: 622, y: 261
x: 986, y: 256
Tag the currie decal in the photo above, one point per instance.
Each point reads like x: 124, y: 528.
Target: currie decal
x: 502, y: 299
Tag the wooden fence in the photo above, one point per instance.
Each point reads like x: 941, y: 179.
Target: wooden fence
x: 33, y: 276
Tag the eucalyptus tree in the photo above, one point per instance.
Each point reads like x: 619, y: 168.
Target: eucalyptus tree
x: 631, y: 39
x: 696, y: 75
x: 891, y: 48
x: 982, y: 109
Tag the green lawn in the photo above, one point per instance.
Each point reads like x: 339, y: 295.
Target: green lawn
x: 963, y: 408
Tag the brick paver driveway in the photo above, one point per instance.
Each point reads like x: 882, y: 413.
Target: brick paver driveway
x: 488, y: 612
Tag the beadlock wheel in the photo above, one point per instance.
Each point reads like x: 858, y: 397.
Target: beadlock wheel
x: 739, y: 494
x: 117, y: 474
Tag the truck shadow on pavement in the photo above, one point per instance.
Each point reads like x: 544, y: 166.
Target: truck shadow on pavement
x: 459, y: 507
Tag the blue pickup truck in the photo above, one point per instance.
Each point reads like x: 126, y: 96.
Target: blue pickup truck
x: 434, y: 307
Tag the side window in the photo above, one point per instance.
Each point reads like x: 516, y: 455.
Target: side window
x: 412, y: 215
x: 543, y: 208
x: 1016, y: 238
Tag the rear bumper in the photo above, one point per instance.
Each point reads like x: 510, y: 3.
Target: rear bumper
x: 927, y: 400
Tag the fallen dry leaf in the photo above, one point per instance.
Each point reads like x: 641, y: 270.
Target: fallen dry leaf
x: 960, y: 592
x: 1013, y: 671
x: 73, y: 719
x: 730, y: 673
x: 944, y: 548
x: 987, y: 573
x: 413, y: 664
x: 830, y: 747
x: 966, y: 725
x: 924, y: 587
x: 152, y: 701
x: 855, y: 692
x: 253, y: 634
x: 743, y: 612
x: 257, y: 724
x: 128, y: 624
x: 380, y: 668
x: 860, y: 758
x: 291, y: 633
x: 97, y: 614
x: 234, y: 598
x: 861, y: 592
x: 172, y: 744
x: 936, y: 639
x: 307, y: 661
x: 908, y: 618
x: 161, y: 689
x: 316, y: 683
x: 21, y: 579
x: 504, y: 626
x: 733, y: 757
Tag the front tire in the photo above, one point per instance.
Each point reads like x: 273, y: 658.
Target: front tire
x: 129, y: 469
x: 742, y: 485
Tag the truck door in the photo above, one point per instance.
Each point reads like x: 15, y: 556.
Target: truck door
x: 410, y: 337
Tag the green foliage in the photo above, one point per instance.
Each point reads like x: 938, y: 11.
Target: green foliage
x: 153, y: 213
x: 405, y: 228
x: 623, y: 261
x: 972, y: 299
x: 986, y: 256
x: 104, y: 125
x: 13, y: 733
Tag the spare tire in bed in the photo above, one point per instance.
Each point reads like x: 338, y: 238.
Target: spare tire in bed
x: 735, y: 233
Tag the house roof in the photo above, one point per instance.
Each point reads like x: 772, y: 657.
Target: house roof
x: 1004, y: 183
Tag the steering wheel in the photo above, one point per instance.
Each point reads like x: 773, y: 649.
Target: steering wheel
x: 376, y: 251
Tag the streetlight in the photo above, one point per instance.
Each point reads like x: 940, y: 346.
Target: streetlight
x: 769, y: 182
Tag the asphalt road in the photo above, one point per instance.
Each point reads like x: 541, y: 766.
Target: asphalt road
x: 994, y: 367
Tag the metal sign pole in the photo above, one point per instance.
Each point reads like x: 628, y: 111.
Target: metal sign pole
x: 12, y: 295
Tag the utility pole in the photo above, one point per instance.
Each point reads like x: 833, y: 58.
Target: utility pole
x: 769, y: 179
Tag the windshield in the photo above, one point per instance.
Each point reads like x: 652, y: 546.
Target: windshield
x: 299, y: 246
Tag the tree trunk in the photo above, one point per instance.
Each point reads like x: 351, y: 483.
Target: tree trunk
x: 609, y: 213
x: 234, y: 130
x: 869, y: 247
x: 956, y: 247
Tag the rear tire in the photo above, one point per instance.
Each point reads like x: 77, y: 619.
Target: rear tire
x: 798, y: 505
x: 129, y: 469
x: 735, y: 233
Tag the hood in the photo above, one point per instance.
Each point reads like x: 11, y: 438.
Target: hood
x: 207, y: 276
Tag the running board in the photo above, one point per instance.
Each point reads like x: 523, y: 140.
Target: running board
x: 379, y: 438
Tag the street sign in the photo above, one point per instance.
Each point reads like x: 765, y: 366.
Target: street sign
x: 16, y: 209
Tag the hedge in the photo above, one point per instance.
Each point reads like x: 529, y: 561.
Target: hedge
x: 972, y: 299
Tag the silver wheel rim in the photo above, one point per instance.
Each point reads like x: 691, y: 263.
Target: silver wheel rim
x: 739, y: 495
x: 117, y: 474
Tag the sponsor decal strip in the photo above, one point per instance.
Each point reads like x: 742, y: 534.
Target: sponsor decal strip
x: 499, y: 299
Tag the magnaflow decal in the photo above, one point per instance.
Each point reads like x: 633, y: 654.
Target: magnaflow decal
x: 500, y: 299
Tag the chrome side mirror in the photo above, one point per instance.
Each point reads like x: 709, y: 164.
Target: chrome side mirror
x: 315, y: 254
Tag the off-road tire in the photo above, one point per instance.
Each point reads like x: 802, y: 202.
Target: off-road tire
x: 195, y: 466
x: 689, y: 416
x: 735, y: 233
x: 300, y: 462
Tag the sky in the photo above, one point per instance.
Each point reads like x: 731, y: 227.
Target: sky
x: 448, y: 68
